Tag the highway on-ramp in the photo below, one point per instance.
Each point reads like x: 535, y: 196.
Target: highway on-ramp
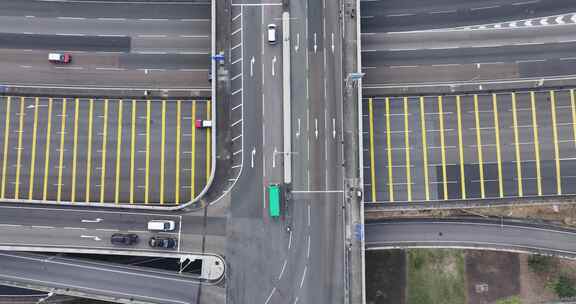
x: 465, y: 233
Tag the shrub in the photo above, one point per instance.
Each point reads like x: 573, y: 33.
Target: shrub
x: 540, y: 263
x: 510, y: 300
x: 564, y: 287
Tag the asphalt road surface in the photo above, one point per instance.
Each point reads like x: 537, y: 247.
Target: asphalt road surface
x: 53, y: 149
x: 306, y: 263
x: 52, y: 229
x: 102, y: 279
x: 412, y: 15
x: 500, y: 235
x: 509, y: 144
x: 122, y: 45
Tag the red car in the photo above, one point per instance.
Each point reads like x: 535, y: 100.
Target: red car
x: 59, y: 57
x: 200, y: 123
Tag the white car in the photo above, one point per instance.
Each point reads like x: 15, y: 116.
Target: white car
x: 201, y: 124
x: 59, y: 57
x: 272, y: 33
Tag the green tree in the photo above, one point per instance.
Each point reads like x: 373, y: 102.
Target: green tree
x: 564, y: 287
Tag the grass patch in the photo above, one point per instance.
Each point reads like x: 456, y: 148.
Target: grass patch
x: 435, y: 276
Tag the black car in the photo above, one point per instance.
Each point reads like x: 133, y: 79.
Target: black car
x: 126, y: 239
x: 162, y: 242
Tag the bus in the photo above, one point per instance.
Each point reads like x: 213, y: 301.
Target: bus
x: 274, y: 200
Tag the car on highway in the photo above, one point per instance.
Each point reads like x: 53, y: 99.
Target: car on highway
x: 60, y: 58
x: 162, y: 242
x: 161, y: 225
x: 201, y: 123
x: 272, y: 33
x: 125, y: 239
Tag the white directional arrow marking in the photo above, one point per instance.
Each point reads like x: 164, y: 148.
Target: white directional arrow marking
x: 90, y: 237
x: 333, y: 127
x: 298, y: 132
x: 297, y: 46
x: 252, y: 66
x: 253, y: 154
x: 96, y: 220
x: 316, y: 127
x: 315, y: 44
x: 332, y: 42
x: 559, y: 20
x: 273, y: 65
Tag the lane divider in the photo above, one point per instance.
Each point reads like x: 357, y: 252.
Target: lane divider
x: 33, y: 157
x: 556, y: 148
x: 479, y: 146
x: 461, y: 148
x: 372, y: 163
x: 389, y: 152
x: 498, y: 152
x: 536, y: 142
x: 424, y: 148
x: 517, y: 146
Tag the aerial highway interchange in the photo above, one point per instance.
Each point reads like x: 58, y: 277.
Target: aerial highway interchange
x: 190, y: 111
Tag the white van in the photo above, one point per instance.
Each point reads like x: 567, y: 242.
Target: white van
x: 161, y: 225
x: 272, y: 33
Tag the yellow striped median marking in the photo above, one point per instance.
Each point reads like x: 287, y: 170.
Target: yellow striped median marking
x: 517, y: 146
x: 132, y: 149
x: 443, y: 148
x: 193, y: 154
x: 407, y: 147
x: 461, y: 148
x: 6, y: 136
x: 118, y: 152
x: 424, y: 147
x: 479, y: 146
x: 372, y: 164
x: 177, y: 178
x: 208, y: 141
x: 389, y: 151
x: 89, y: 151
x: 536, y: 142
x: 33, y: 157
x: 61, y: 156
x: 498, y: 152
x: 19, y: 149
x: 103, y: 162
x: 146, y: 172
x: 556, y: 148
x: 47, y: 151
x: 573, y: 106
x: 162, y: 151
x: 75, y: 150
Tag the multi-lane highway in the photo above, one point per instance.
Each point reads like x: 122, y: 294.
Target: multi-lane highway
x: 414, y: 15
x: 482, y: 55
x: 139, y: 45
x: 300, y: 256
x: 496, y: 234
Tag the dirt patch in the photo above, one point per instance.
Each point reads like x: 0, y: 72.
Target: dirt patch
x: 535, y: 287
x: 491, y: 276
x: 385, y: 276
x: 435, y: 276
